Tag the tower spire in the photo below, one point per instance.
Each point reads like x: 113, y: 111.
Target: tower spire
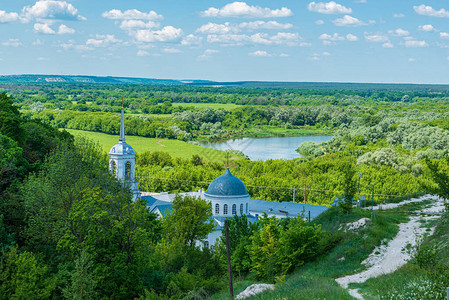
x: 122, y: 126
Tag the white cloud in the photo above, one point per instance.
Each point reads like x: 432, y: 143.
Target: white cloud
x: 430, y: 11
x: 213, y: 28
x: 265, y: 25
x: 285, y: 38
x: 243, y: 10
x: 387, y: 45
x: 284, y: 55
x: 12, y: 43
x: 260, y: 53
x: 103, y: 40
x: 43, y: 28
x: 360, y: 1
x: 416, y: 44
x: 63, y: 29
x: 314, y: 56
x: 133, y: 24
x: 411, y: 59
x: 166, y: 34
x: 41, y: 58
x: 230, y: 39
x: 52, y: 9
x: 376, y: 37
x: 260, y: 38
x: 131, y: 14
x: 399, y: 32
x: 305, y: 44
x: 427, y: 27
x: 38, y: 42
x: 191, y: 40
x: 71, y: 45
x: 281, y: 38
x: 171, y: 50
x: 398, y: 15
x: 348, y: 20
x: 335, y: 37
x: 142, y: 53
x: 8, y: 17
x: 352, y: 38
x: 328, y: 8
x: 444, y: 35
x: 207, y: 54
x: 319, y: 22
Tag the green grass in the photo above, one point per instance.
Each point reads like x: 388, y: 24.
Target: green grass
x: 269, y: 131
x: 227, y: 106
x: 175, y: 148
x: 316, y: 280
x: 397, y: 281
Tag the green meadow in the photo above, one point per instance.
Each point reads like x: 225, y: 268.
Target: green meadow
x: 227, y: 106
x: 175, y: 148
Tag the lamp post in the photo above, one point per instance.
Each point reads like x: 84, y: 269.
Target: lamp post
x: 358, y: 190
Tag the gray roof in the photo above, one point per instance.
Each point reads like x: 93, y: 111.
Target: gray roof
x: 288, y: 209
x: 227, y: 185
x: 122, y: 148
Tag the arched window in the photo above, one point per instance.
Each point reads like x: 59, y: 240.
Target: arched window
x: 246, y: 207
x: 128, y: 170
x: 113, y: 167
x: 234, y: 209
x: 225, y: 209
x: 217, y: 209
x: 241, y: 209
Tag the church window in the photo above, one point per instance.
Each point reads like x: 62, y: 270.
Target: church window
x: 225, y: 209
x: 234, y: 209
x: 246, y: 207
x: 128, y: 170
x: 113, y: 167
x: 241, y: 209
x: 217, y: 209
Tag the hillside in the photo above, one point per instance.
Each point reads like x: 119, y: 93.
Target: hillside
x: 343, y: 86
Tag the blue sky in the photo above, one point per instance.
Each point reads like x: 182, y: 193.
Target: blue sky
x: 344, y: 41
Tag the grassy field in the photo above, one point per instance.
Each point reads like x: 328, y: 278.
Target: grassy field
x: 176, y: 148
x: 227, y: 106
x: 316, y: 280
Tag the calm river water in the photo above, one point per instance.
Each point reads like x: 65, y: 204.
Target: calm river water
x: 267, y: 148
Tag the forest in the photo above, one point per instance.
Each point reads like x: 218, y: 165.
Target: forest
x: 69, y: 230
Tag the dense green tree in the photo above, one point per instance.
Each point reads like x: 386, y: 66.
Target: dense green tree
x: 189, y: 221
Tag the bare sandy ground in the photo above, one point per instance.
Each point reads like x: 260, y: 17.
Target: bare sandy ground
x: 389, y: 258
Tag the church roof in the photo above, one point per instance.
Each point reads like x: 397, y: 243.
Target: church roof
x: 227, y: 185
x: 122, y: 148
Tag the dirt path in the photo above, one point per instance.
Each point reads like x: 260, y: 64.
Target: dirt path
x: 390, y: 258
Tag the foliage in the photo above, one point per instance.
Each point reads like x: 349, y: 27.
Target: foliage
x: 83, y: 282
x: 189, y: 221
x: 22, y: 276
x: 310, y: 148
x: 282, y: 246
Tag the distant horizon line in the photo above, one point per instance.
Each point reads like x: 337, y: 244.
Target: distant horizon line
x: 185, y: 80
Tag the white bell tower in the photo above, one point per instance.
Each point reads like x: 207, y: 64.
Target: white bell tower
x: 122, y: 160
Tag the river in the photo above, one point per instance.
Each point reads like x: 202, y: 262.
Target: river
x: 267, y: 148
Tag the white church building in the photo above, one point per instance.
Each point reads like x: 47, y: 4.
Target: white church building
x: 227, y: 194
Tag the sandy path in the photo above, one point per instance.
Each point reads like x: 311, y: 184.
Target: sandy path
x: 394, y: 205
x: 393, y: 256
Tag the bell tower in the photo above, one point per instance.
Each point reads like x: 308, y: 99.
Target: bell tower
x: 122, y: 160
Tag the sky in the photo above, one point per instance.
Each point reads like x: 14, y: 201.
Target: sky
x: 399, y: 41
